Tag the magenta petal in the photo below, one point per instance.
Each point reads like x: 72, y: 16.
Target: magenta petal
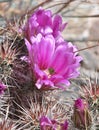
x: 45, y: 51
x: 36, y: 39
x: 45, y: 123
x: 59, y: 40
x: 61, y: 59
x: 60, y: 82
x: 43, y: 17
x: 44, y: 83
x: 57, y: 57
x: 47, y: 30
x: 57, y: 25
x: 39, y: 73
x: 48, y: 13
x: 45, y: 120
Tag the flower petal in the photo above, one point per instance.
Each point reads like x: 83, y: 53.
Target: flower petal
x: 2, y: 88
x: 61, y: 59
x: 45, y: 50
x: 59, y: 81
x: 57, y: 25
x: 44, y: 84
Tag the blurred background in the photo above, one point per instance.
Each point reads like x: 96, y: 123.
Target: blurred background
x: 82, y: 29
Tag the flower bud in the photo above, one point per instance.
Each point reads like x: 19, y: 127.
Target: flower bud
x: 2, y: 88
x: 64, y: 126
x: 81, y: 116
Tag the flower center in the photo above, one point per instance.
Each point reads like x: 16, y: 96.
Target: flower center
x: 49, y: 72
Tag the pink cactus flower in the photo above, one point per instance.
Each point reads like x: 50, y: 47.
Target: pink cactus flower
x: 43, y: 22
x: 52, y: 65
x: 2, y: 88
x: 81, y: 116
x: 64, y: 126
x: 47, y: 124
